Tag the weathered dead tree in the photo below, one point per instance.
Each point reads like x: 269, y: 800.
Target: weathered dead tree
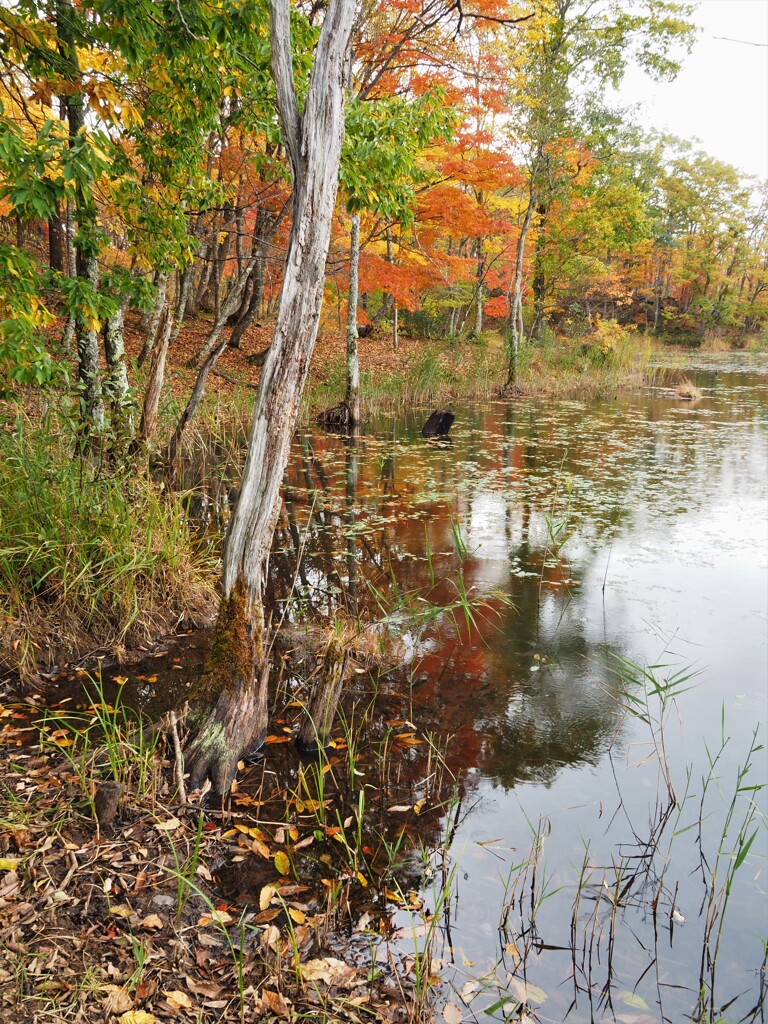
x: 236, y: 672
x: 315, y: 729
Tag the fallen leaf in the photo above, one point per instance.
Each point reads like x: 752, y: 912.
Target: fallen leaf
x: 261, y: 848
x: 399, y: 809
x: 265, y: 896
x: 121, y: 681
x: 296, y: 915
x: 117, y: 999
x: 138, y: 1017
x: 330, y: 970
x: 526, y: 993
x: 120, y: 910
x: 152, y: 921
x: 452, y: 1014
x: 178, y: 1000
x: 218, y: 917
x: 169, y: 825
x: 282, y: 863
x: 273, y: 1002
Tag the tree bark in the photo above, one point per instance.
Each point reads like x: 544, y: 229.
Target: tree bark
x: 478, y: 328
x: 85, y: 242
x: 237, y: 667
x: 116, y: 384
x: 154, y: 317
x: 56, y: 241
x: 149, y: 414
x: 352, y: 397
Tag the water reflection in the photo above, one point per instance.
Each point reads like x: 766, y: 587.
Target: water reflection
x: 631, y: 528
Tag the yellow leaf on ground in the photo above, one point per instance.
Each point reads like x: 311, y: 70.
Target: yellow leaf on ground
x: 331, y: 971
x: 8, y: 865
x: 265, y: 896
x: 297, y: 915
x: 282, y: 863
x: 261, y: 848
x: 169, y: 825
x: 117, y: 999
x: 178, y: 1000
x: 138, y: 1017
x: 273, y: 1002
x: 152, y: 921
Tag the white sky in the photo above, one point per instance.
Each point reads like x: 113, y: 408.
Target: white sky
x: 721, y: 94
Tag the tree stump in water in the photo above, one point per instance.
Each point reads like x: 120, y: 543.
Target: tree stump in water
x: 316, y: 728
x: 336, y: 419
x: 438, y: 424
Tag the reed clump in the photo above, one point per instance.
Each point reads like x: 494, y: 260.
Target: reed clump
x: 687, y: 390
x: 610, y: 358
x: 92, y: 559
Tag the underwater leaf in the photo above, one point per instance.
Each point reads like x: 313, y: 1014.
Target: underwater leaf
x: 633, y: 999
x: 526, y: 993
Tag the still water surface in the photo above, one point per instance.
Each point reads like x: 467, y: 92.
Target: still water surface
x: 584, y: 840
x: 633, y: 529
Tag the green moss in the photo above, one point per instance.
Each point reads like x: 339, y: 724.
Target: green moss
x: 236, y: 647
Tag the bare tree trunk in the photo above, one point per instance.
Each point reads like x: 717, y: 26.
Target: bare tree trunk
x: 116, y: 385
x: 154, y: 318
x: 86, y: 246
x: 237, y: 668
x: 149, y: 414
x: 352, y: 397
x: 539, y: 278
x: 315, y: 730
x: 478, y: 328
x: 516, y: 305
x: 56, y: 241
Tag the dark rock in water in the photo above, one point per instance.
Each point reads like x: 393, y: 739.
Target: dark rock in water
x: 438, y: 424
x: 364, y: 330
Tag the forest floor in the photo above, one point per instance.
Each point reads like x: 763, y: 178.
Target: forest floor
x: 271, y: 908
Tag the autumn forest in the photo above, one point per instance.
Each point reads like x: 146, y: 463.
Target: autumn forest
x: 382, y: 460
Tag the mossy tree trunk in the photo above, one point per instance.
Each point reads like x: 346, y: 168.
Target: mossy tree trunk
x: 236, y: 670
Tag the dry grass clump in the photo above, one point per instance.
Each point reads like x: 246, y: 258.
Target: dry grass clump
x: 91, y: 560
x: 687, y: 390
